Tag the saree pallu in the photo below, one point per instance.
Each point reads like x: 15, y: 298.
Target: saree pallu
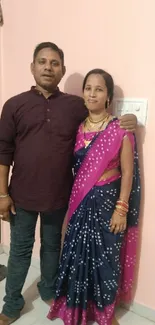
x: 96, y: 267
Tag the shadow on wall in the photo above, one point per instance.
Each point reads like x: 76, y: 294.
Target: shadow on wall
x: 118, y: 93
x: 140, y: 136
x: 73, y: 84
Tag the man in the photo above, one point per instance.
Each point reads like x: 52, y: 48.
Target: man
x: 37, y: 135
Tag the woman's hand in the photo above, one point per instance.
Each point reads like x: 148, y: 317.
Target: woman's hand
x: 118, y: 223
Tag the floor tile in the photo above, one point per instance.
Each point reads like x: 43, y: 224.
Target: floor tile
x: 128, y: 318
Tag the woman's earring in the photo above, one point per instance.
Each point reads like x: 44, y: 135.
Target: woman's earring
x: 108, y: 103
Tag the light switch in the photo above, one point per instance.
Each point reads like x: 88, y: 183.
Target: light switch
x: 134, y: 106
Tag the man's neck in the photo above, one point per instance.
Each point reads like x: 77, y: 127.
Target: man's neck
x: 46, y: 93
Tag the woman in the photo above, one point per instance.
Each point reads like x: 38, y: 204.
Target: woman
x: 98, y: 256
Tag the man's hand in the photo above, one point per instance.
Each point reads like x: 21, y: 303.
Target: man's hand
x: 128, y: 122
x: 6, y: 205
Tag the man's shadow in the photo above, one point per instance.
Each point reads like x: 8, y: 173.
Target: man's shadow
x: 140, y: 139
x: 73, y: 84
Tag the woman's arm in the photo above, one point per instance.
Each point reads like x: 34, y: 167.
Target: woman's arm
x: 127, y: 162
x: 119, y: 218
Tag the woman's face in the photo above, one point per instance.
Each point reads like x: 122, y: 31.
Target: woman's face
x: 95, y: 93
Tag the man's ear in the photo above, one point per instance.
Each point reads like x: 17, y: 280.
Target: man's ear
x: 63, y: 70
x: 32, y: 68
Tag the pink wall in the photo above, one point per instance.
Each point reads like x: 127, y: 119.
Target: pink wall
x: 115, y: 35
x: 0, y: 67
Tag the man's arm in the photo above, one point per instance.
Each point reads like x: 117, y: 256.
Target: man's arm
x: 4, y: 175
x: 7, y: 134
x: 128, y: 122
x: 7, y: 140
x: 118, y: 221
x: 127, y: 164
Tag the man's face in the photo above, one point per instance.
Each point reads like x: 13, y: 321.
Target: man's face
x: 47, y: 69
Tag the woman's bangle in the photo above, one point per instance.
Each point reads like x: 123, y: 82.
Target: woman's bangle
x: 119, y: 207
x: 121, y: 214
x: 124, y: 203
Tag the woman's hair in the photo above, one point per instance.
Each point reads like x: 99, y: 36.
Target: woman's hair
x: 108, y: 81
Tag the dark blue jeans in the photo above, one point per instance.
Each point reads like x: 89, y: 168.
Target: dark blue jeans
x: 23, y: 226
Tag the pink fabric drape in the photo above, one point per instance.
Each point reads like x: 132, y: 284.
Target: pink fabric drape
x: 92, y: 167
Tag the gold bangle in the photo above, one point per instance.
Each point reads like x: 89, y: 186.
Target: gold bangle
x: 121, y: 208
x: 123, y: 203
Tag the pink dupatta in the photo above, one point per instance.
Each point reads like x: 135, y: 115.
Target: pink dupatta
x: 103, y: 150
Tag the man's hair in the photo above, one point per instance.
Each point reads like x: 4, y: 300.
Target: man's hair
x: 51, y: 46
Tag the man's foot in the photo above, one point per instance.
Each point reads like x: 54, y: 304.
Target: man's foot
x: 48, y: 302
x: 3, y: 272
x: 114, y: 321
x: 5, y: 320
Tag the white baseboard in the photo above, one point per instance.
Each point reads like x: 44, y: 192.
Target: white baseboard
x: 136, y: 308
x: 1, y: 249
x: 6, y: 249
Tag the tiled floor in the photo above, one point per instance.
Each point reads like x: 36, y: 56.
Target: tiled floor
x: 35, y: 310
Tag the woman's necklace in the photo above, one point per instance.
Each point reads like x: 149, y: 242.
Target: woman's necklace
x: 96, y: 122
x: 97, y: 125
x: 93, y: 125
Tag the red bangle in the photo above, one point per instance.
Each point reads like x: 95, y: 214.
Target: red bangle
x: 120, y: 214
x: 119, y: 207
x: 124, y: 204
